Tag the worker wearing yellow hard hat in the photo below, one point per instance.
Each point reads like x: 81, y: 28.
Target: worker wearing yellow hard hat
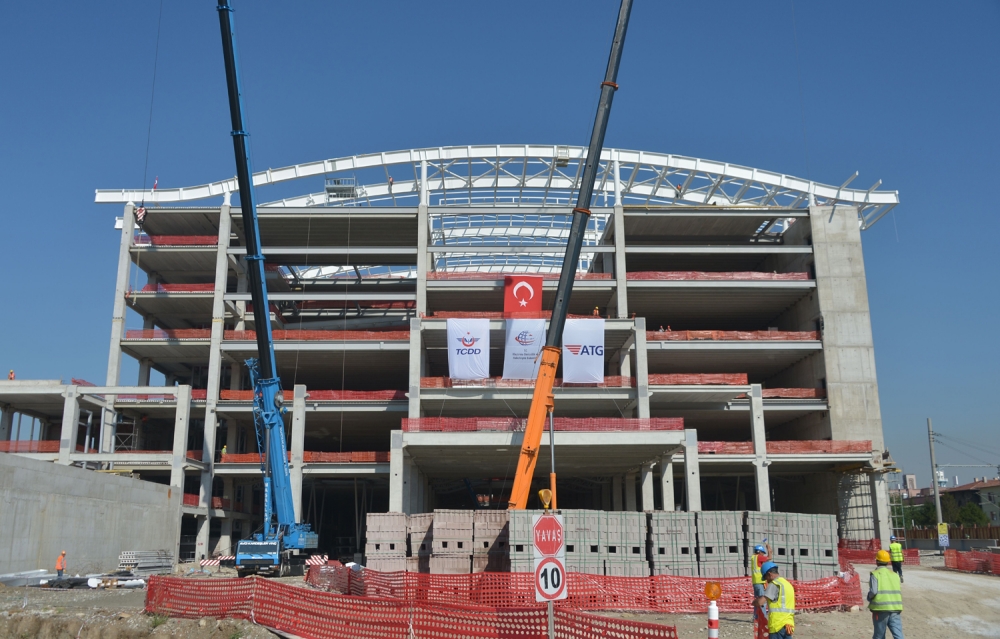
x: 885, y: 598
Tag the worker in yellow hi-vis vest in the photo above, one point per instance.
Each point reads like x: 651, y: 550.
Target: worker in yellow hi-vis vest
x: 896, y: 555
x: 885, y: 599
x: 779, y: 596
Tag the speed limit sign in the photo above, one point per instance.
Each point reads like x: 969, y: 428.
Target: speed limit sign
x: 550, y: 579
x: 550, y: 555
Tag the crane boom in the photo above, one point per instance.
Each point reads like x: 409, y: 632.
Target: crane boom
x: 282, y: 536
x: 541, y: 400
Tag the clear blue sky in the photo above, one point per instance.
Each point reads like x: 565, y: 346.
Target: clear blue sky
x: 903, y: 91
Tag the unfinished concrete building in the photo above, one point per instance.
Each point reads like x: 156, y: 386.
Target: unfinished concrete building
x: 735, y: 300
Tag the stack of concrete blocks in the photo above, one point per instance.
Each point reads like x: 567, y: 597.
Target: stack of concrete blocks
x: 385, y: 546
x: 451, y: 547
x: 586, y: 537
x: 490, y: 539
x: 721, y: 546
x: 673, y: 543
x: 815, y: 552
x: 421, y: 533
x: 625, y: 550
x: 522, y: 544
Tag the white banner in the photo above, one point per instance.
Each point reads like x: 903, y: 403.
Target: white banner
x: 525, y: 339
x: 583, y: 351
x: 469, y: 348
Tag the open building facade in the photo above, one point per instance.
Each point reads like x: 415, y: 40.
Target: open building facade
x: 739, y: 359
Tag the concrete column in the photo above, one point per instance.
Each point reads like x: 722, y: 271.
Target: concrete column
x: 616, y: 493
x: 182, y: 419
x: 5, y: 422
x: 241, y: 307
x: 605, y: 496
x: 692, y: 474
x: 118, y: 322
x: 415, y: 368
x: 641, y: 369
x: 70, y: 424
x: 647, y: 487
x: 414, y: 482
x: 225, y: 545
x: 232, y: 436
x: 396, y: 471
x: 201, y: 550
x: 760, y: 463
x: 423, y: 258
x: 621, y: 287
x: 630, y: 500
x: 145, y: 367
x: 298, y: 446
x: 880, y: 507
x: 667, y: 481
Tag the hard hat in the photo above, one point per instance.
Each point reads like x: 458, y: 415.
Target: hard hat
x: 882, y: 557
x: 892, y: 537
x: 63, y: 552
x: 759, y: 549
x: 768, y: 567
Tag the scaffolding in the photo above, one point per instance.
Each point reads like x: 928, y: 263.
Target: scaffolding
x: 854, y: 495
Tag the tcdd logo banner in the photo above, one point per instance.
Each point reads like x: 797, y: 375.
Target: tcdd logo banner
x: 469, y: 348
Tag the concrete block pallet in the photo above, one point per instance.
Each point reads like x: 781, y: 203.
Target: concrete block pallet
x: 680, y: 569
x: 491, y: 562
x: 451, y: 564
x: 812, y: 572
x: 614, y: 568
x: 386, y: 563
x: 673, y: 543
x: 146, y: 562
x: 453, y: 532
x: 491, y: 532
x: 586, y: 537
x: 421, y: 533
x: 386, y: 527
x: 418, y: 563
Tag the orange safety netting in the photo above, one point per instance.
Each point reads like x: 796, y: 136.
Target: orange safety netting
x: 713, y: 275
x: 323, y: 395
x: 170, y: 333
x: 498, y: 382
x: 972, y: 561
x: 447, y: 275
x: 176, y: 288
x: 177, y: 240
x: 859, y: 544
x: 513, y: 424
x: 663, y: 593
x: 321, y: 336
x: 81, y: 382
x: 726, y: 448
x: 37, y: 446
x: 691, y: 336
x: 314, y: 614
x: 791, y: 393
x: 355, y: 457
x: 339, y: 304
x: 191, y: 454
x: 818, y: 446
x: 500, y: 315
x: 689, y: 379
x: 911, y: 556
x: 197, y: 394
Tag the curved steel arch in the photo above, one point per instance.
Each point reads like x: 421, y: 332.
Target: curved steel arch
x: 537, y: 175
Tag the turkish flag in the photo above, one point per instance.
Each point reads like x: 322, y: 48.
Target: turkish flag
x: 522, y: 294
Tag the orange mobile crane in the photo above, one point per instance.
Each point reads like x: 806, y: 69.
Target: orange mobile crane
x: 542, y: 402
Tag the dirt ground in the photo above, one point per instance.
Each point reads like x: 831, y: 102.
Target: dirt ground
x: 936, y: 603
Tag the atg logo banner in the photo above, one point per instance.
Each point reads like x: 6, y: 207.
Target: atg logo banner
x: 525, y: 339
x: 583, y: 351
x: 469, y: 348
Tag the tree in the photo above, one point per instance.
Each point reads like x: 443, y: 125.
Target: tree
x: 923, y: 515
x: 949, y: 509
x: 971, y: 515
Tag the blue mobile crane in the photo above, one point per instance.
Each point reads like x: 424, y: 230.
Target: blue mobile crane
x: 279, y: 548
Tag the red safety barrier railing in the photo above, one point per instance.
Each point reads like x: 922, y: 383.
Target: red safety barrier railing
x: 698, y: 379
x: 664, y: 593
x: 911, y: 556
x: 448, y: 275
x: 791, y: 393
x: 321, y: 336
x: 972, y: 561
x: 566, y: 424
x: 859, y: 544
x: 221, y: 503
x: 726, y: 448
x: 715, y: 276
x: 730, y: 336
x: 339, y: 304
x: 176, y: 288
x: 315, y: 614
x: 354, y: 457
x: 173, y: 333
x: 323, y: 395
x: 191, y: 500
x: 81, y: 382
x: 498, y: 382
x: 191, y: 454
x: 176, y: 240
x: 499, y: 315
x: 808, y: 446
x: 36, y: 446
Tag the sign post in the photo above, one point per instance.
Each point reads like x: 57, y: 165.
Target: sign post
x: 550, y: 561
x: 943, y: 540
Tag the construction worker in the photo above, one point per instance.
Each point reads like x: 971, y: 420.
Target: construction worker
x: 61, y: 564
x: 761, y: 555
x: 896, y: 555
x: 10, y: 375
x: 779, y: 596
x: 885, y: 598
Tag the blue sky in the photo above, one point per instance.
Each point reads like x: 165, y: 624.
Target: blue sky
x: 905, y: 92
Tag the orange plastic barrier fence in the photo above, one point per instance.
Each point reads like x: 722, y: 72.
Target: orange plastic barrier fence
x: 81, y: 382
x: 356, y: 457
x: 713, y: 275
x: 499, y: 315
x: 726, y: 448
x: 339, y: 304
x: 177, y: 288
x: 818, y: 446
x: 314, y: 336
x: 687, y: 379
x: 859, y: 544
x: 191, y: 499
x: 443, y: 275
x: 498, y: 382
x: 513, y: 424
x: 314, y: 614
x: 665, y: 593
x: 691, y: 336
x: 972, y: 561
x: 191, y: 454
x: 177, y: 240
x: 38, y: 446
x: 323, y: 395
x: 792, y: 393
x: 911, y: 556
x: 175, y: 333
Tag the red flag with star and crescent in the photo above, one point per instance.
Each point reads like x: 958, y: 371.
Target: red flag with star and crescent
x: 521, y: 294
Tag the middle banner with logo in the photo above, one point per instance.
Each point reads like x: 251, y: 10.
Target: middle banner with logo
x: 469, y: 348
x: 525, y: 339
x: 583, y: 351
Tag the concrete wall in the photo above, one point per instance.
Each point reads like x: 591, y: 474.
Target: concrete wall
x: 46, y: 508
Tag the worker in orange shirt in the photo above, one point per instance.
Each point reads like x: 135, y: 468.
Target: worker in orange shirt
x: 61, y: 564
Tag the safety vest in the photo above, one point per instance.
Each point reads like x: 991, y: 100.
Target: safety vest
x: 782, y: 611
x: 755, y: 573
x: 61, y: 563
x: 896, y: 551
x: 889, y: 596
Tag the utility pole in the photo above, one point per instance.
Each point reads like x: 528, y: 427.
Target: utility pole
x: 934, y: 481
